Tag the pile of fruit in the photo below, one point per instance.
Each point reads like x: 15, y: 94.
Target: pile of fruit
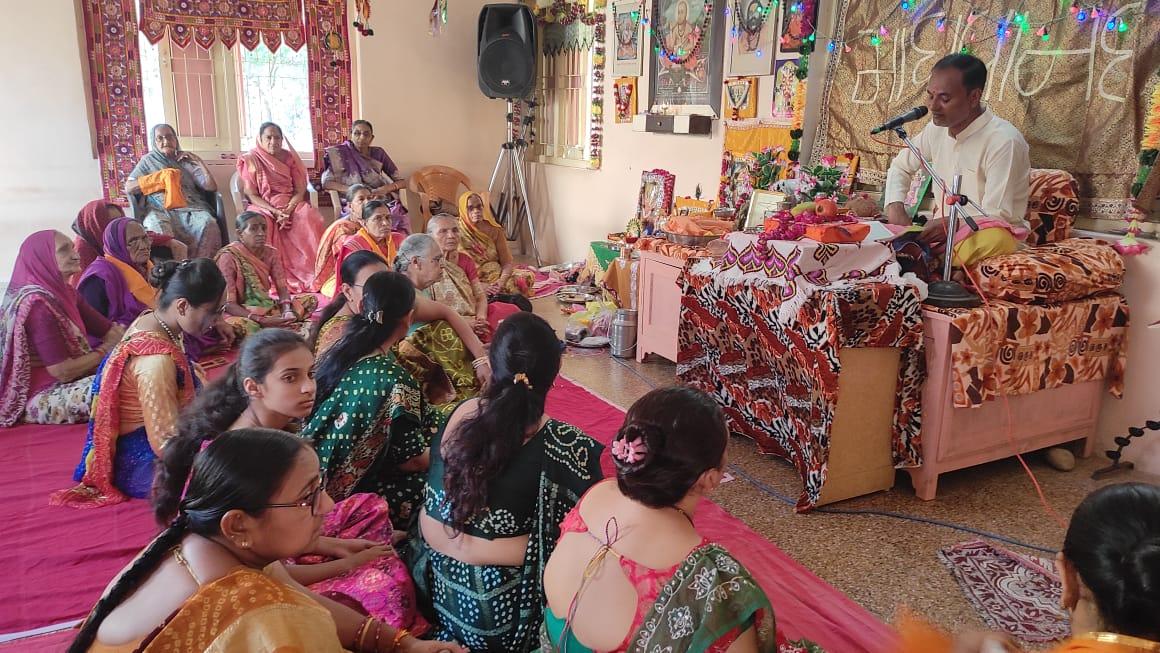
x: 794, y: 223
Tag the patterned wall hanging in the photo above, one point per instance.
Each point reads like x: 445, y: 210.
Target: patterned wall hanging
x: 115, y: 81
x: 328, y: 53
x: 741, y: 98
x: 248, y: 22
x: 624, y: 90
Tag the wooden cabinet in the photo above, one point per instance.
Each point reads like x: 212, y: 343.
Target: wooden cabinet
x: 659, y: 306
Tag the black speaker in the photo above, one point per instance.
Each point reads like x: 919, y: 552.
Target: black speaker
x: 506, y: 54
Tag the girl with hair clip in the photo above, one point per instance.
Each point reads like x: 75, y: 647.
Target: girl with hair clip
x: 347, y: 225
x: 371, y: 424
x: 271, y: 385
x: 234, y: 506
x: 1110, y: 571
x: 630, y: 557
x: 142, y: 384
x: 503, y: 476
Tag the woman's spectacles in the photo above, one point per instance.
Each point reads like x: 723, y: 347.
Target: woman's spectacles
x: 312, y: 500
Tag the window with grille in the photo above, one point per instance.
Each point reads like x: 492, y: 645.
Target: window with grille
x: 563, y: 119
x: 217, y: 98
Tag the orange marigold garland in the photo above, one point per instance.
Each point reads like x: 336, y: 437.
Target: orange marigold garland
x: 1149, y: 148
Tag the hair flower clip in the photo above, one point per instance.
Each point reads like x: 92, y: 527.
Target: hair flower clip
x: 376, y: 317
x: 520, y: 377
x: 629, y: 453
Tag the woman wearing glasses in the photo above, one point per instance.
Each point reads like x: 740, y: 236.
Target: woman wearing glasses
x: 271, y: 385
x: 141, y: 386
x: 212, y: 579
x: 371, y: 425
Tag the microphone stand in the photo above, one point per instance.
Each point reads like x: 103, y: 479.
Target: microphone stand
x: 947, y: 293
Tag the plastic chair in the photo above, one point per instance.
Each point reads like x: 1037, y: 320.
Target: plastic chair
x: 241, y: 202
x: 436, y: 183
x: 138, y: 209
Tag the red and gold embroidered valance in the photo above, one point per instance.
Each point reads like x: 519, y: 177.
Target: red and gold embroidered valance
x: 230, y: 21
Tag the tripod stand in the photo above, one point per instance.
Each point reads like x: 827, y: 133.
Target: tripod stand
x: 513, y: 209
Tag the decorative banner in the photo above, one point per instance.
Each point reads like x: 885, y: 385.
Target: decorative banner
x: 115, y: 81
x: 328, y: 53
x: 1074, y: 88
x: 625, y: 91
x: 741, y: 98
x: 230, y: 21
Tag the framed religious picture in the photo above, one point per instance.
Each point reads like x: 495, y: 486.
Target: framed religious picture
x: 798, y: 19
x: 686, y: 55
x: 762, y: 204
x: 741, y: 98
x: 656, y: 197
x: 628, y: 30
x: 753, y: 30
x: 624, y: 92
x: 785, y: 86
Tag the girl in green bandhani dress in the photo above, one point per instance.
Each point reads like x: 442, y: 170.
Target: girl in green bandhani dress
x: 371, y: 426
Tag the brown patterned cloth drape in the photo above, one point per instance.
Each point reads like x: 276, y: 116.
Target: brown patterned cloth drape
x: 249, y: 22
x: 115, y: 83
x: 1080, y: 110
x: 328, y: 52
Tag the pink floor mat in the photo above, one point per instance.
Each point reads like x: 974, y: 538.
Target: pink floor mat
x: 61, y: 558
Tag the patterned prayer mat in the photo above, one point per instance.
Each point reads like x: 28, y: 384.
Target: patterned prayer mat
x: 1017, y: 594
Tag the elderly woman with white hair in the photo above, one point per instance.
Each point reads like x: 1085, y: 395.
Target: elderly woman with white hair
x: 460, y: 287
x: 449, y: 341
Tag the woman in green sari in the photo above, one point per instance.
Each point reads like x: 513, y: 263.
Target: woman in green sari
x: 630, y: 571
x: 371, y: 425
x: 503, y: 475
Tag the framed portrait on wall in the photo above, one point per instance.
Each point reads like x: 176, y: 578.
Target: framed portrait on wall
x: 798, y: 18
x: 656, y: 197
x: 686, y: 56
x: 753, y: 51
x: 785, y: 86
x: 628, y: 32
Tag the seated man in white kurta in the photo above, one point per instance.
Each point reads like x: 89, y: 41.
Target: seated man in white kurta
x: 965, y: 138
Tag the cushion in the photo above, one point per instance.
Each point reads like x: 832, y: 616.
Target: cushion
x: 1057, y: 272
x: 1052, y: 206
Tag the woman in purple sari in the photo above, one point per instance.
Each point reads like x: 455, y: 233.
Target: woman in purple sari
x: 116, y: 285
x: 51, y: 341
x: 356, y: 161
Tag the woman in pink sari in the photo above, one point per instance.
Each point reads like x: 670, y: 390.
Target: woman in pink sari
x: 274, y: 181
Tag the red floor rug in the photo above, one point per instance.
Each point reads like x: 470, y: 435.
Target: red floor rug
x: 61, y: 558
x: 1017, y: 594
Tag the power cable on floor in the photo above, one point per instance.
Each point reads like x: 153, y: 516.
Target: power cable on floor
x: 765, y: 489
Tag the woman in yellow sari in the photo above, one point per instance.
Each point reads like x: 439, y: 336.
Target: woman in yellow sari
x: 1110, y: 572
x: 252, y: 270
x: 481, y: 238
x: 213, y: 579
x: 347, y: 225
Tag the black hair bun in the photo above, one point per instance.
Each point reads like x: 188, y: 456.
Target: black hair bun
x: 162, y: 273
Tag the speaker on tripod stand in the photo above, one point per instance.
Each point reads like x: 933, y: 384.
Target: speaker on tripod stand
x: 506, y: 66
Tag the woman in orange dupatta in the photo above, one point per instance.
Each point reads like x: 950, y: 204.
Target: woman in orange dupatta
x: 252, y: 270
x: 275, y: 183
x: 233, y: 505
x: 481, y: 238
x: 375, y: 235
x: 1110, y: 572
x: 335, y: 235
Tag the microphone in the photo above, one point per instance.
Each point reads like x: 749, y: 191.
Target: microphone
x: 899, y: 120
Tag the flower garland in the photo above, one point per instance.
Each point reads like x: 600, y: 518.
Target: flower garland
x: 793, y: 227
x: 1149, y: 149
x: 564, y: 12
x: 803, y: 71
x: 596, y: 139
x: 752, y: 22
x: 699, y: 31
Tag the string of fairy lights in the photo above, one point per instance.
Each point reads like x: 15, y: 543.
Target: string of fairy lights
x: 1004, y: 25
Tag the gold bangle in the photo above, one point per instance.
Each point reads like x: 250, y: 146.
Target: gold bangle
x: 361, y: 634
x: 399, y: 635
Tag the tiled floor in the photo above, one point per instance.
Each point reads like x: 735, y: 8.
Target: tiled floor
x: 881, y: 562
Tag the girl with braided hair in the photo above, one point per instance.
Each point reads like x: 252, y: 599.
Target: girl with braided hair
x: 234, y: 505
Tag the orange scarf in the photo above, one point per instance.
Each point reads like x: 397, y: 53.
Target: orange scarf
x: 373, y: 245
x: 137, y: 284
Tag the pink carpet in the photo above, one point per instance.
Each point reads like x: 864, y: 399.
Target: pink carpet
x: 59, y: 559
x: 803, y: 604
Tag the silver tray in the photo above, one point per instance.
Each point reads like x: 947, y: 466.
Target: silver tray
x: 577, y: 294
x: 685, y: 239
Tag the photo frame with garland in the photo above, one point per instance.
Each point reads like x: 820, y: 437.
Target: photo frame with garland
x: 686, y: 57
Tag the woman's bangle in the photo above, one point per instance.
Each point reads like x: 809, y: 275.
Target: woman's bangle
x: 399, y: 635
x: 361, y: 634
x: 479, y: 362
